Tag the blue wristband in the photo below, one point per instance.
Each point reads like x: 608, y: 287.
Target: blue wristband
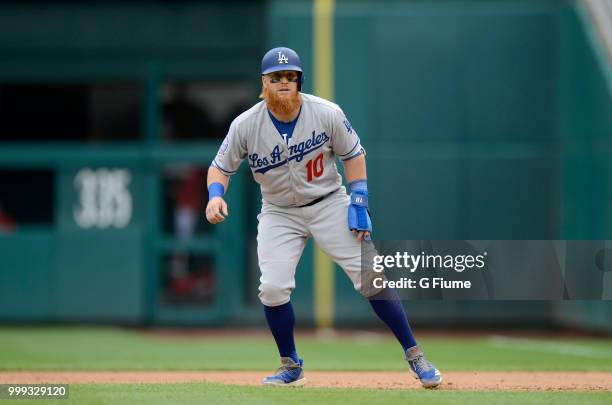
x: 358, y: 185
x: 215, y: 190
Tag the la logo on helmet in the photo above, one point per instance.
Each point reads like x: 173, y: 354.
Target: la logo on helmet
x: 282, y: 58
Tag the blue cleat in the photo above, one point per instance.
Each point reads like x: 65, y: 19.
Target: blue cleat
x: 289, y: 374
x: 422, y: 369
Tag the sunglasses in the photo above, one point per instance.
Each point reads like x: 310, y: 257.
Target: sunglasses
x: 276, y: 77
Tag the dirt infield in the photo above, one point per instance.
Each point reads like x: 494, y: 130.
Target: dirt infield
x: 456, y: 381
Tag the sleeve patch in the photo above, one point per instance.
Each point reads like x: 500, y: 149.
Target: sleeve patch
x: 223, y: 147
x: 349, y: 127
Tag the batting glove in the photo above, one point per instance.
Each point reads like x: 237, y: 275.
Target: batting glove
x: 358, y: 215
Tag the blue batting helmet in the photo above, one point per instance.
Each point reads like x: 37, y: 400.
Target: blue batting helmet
x: 281, y: 58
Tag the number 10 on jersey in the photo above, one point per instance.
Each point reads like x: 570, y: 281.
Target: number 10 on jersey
x: 314, y: 167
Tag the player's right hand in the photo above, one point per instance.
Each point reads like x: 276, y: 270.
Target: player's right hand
x: 216, y: 210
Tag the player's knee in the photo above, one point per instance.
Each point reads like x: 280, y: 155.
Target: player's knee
x: 273, y: 295
x: 367, y: 289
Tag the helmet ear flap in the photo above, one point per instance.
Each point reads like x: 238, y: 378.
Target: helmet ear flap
x: 301, y: 82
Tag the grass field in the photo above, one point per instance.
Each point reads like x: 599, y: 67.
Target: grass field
x: 232, y: 394
x: 118, y: 349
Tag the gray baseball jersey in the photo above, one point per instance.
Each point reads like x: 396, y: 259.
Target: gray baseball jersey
x: 294, y: 173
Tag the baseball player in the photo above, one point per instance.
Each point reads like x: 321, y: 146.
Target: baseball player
x: 291, y: 140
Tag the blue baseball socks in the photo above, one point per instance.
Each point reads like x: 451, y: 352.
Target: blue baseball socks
x: 281, y: 321
x: 388, y: 307
x: 386, y: 304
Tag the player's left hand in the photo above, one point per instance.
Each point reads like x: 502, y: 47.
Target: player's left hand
x: 362, y: 235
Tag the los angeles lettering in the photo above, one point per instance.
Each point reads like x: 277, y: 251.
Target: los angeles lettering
x: 262, y: 164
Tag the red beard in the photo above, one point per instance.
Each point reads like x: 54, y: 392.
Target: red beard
x: 282, y: 105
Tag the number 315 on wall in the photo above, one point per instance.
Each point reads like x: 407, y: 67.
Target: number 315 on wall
x: 103, y: 198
